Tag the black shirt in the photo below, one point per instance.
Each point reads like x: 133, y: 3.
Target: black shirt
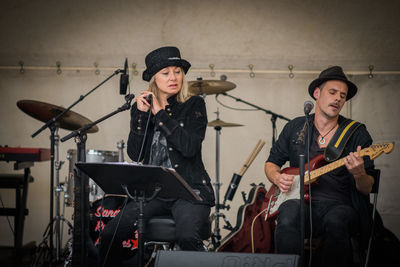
x: 335, y: 185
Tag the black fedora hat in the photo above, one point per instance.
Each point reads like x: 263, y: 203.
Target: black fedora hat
x: 161, y: 58
x: 333, y: 73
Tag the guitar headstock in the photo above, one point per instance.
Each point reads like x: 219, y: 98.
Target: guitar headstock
x: 376, y: 150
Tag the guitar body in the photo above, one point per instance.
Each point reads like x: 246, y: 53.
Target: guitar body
x: 240, y: 240
x: 317, y: 168
x: 277, y: 198
x: 315, y: 163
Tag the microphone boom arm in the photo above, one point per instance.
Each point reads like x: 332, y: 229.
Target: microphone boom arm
x: 273, y: 117
x: 85, y: 128
x: 53, y: 120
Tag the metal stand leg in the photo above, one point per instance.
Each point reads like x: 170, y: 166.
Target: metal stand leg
x: 58, y: 189
x: 218, y: 206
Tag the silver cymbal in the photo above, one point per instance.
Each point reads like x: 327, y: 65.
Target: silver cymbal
x: 209, y: 87
x: 44, y: 112
x: 220, y: 123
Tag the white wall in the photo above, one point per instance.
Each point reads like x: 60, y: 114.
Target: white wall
x: 230, y: 34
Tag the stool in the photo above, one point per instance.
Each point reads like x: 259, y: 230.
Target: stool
x: 161, y: 230
x: 19, y: 182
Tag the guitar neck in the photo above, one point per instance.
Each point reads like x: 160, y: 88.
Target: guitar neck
x: 325, y: 169
x: 329, y: 167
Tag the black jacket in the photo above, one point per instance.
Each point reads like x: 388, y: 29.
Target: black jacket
x: 184, y: 126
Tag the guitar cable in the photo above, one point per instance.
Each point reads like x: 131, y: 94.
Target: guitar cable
x: 252, y: 227
x: 147, y: 126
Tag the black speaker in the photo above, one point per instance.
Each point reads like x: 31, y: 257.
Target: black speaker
x: 223, y: 259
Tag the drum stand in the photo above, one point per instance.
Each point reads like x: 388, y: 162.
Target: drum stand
x: 216, y: 237
x: 48, y: 234
x: 58, y: 189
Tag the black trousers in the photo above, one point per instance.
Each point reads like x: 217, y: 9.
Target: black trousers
x: 189, y: 219
x: 333, y: 222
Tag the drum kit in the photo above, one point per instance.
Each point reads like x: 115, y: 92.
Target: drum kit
x: 73, y: 121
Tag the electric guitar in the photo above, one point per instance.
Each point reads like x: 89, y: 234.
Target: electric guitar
x: 276, y: 198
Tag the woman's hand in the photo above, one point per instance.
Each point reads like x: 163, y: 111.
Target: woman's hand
x: 142, y: 103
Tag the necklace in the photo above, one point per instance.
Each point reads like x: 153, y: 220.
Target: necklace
x: 321, y: 140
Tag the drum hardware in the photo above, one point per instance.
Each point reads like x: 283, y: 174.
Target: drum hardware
x: 66, y: 119
x: 230, y: 192
x: 121, y: 146
x: 209, y: 87
x: 274, y: 116
x: 58, y: 164
x: 216, y: 237
x: 92, y: 155
x: 52, y: 115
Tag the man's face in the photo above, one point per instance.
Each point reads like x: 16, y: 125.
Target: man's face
x: 331, y: 98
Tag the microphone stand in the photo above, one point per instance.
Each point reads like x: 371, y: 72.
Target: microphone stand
x: 302, y: 172
x: 51, y: 124
x: 82, y: 97
x: 81, y: 210
x: 274, y: 116
x: 84, y: 129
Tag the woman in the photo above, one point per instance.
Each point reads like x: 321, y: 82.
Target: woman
x: 173, y: 139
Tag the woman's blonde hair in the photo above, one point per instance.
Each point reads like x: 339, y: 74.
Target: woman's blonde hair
x: 182, y: 95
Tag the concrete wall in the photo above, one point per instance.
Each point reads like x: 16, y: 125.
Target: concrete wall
x: 230, y: 34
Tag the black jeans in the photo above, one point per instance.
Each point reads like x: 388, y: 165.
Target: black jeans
x: 189, y: 219
x: 333, y: 222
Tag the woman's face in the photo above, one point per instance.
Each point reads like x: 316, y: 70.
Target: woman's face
x: 169, y: 80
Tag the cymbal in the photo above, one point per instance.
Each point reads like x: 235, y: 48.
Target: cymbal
x: 210, y: 87
x: 44, y: 112
x: 220, y: 123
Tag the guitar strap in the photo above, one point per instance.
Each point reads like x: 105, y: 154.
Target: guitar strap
x: 339, y: 140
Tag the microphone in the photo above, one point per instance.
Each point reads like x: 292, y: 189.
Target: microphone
x: 308, y: 106
x: 124, y: 79
x: 148, y: 97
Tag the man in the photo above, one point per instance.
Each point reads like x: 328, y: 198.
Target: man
x: 339, y: 198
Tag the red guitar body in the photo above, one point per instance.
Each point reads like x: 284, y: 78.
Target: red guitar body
x: 239, y: 240
x: 315, y: 163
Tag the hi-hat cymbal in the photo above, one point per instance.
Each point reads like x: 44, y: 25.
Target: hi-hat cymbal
x: 45, y: 112
x: 209, y: 87
x: 220, y: 123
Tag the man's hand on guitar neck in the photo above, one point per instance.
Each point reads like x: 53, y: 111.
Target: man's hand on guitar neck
x: 282, y: 180
x: 355, y: 165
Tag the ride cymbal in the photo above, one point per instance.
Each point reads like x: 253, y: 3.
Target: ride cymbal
x: 209, y: 87
x: 220, y: 123
x: 45, y: 112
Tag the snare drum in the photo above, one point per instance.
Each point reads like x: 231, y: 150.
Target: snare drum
x: 97, y: 156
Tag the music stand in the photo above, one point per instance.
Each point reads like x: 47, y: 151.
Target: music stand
x: 146, y: 181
